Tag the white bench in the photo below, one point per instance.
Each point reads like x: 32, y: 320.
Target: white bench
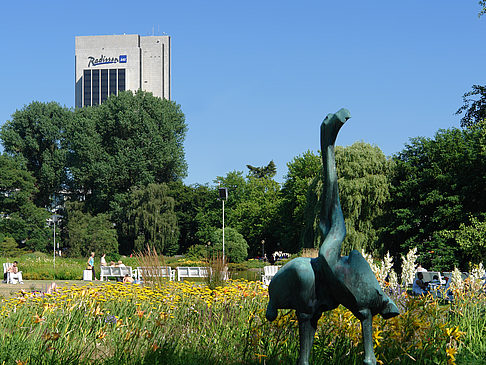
x: 192, y: 272
x: 429, y: 277
x: 268, y: 273
x: 155, y: 271
x: 115, y: 272
x: 11, y: 277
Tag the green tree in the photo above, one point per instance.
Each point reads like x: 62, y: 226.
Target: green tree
x: 268, y: 171
x: 471, y: 238
x: 36, y: 133
x: 251, y: 209
x: 474, y: 107
x: 235, y: 246
x: 84, y: 233
x: 129, y: 140
x: 302, y: 171
x: 8, y: 246
x: 209, y: 215
x: 152, y: 220
x: 189, y: 201
x: 255, y: 215
x: 364, y: 182
x: 19, y: 217
x: 437, y: 183
x: 482, y: 3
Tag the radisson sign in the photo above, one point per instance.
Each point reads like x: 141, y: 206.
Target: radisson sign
x: 103, y: 60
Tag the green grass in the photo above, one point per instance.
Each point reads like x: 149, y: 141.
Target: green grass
x: 39, y: 266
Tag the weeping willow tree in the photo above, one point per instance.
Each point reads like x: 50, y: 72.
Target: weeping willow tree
x: 363, y: 178
x: 152, y: 220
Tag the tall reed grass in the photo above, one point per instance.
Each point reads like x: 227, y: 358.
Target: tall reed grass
x: 217, y: 271
x: 151, y: 264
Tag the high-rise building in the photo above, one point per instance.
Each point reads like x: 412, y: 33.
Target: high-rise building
x: 108, y: 64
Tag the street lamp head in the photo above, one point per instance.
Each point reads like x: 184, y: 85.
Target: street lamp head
x: 223, y: 193
x: 55, y: 217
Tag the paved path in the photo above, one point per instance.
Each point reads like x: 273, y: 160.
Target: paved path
x: 8, y: 290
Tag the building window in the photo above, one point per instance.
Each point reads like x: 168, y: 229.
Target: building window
x: 95, y: 87
x: 87, y: 87
x: 99, y: 84
x: 104, y: 85
x: 113, y: 89
x: 121, y: 79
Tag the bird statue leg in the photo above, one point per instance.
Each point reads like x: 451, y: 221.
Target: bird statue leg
x: 367, y: 332
x: 307, y: 331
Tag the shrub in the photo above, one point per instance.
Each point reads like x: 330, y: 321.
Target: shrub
x: 197, y: 252
x: 235, y: 246
x: 8, y: 246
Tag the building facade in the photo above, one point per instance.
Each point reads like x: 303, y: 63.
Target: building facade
x: 109, y: 64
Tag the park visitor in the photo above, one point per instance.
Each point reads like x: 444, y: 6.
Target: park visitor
x: 13, y: 270
x: 128, y: 279
x: 120, y: 264
x: 419, y: 287
x: 103, y: 260
x: 91, y: 265
x: 421, y: 269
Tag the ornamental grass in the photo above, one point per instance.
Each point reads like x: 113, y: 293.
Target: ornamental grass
x: 189, y: 323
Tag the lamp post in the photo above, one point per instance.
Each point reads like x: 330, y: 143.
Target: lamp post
x: 55, y: 218
x: 223, y: 195
x: 263, y: 250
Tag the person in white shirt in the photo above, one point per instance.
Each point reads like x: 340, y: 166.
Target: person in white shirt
x: 421, y: 269
x: 103, y: 260
x: 120, y: 264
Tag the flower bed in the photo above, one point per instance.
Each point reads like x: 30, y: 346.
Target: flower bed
x: 187, y: 323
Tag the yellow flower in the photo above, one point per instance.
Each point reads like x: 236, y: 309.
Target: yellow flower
x: 450, y: 354
x: 377, y: 337
x: 98, y: 311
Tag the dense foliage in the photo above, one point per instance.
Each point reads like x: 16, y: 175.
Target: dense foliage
x: 363, y: 172
x: 36, y: 135
x: 437, y: 184
x: 474, y: 107
x: 235, y: 246
x: 114, y: 173
x: 99, y: 156
x: 151, y: 219
x: 85, y: 233
x: 20, y: 218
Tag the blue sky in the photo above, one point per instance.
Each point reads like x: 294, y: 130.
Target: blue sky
x: 256, y: 78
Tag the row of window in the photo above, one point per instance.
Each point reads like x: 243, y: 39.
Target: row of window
x: 98, y: 84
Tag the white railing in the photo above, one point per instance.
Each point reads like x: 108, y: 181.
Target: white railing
x: 268, y: 273
x: 192, y: 272
x: 143, y: 273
